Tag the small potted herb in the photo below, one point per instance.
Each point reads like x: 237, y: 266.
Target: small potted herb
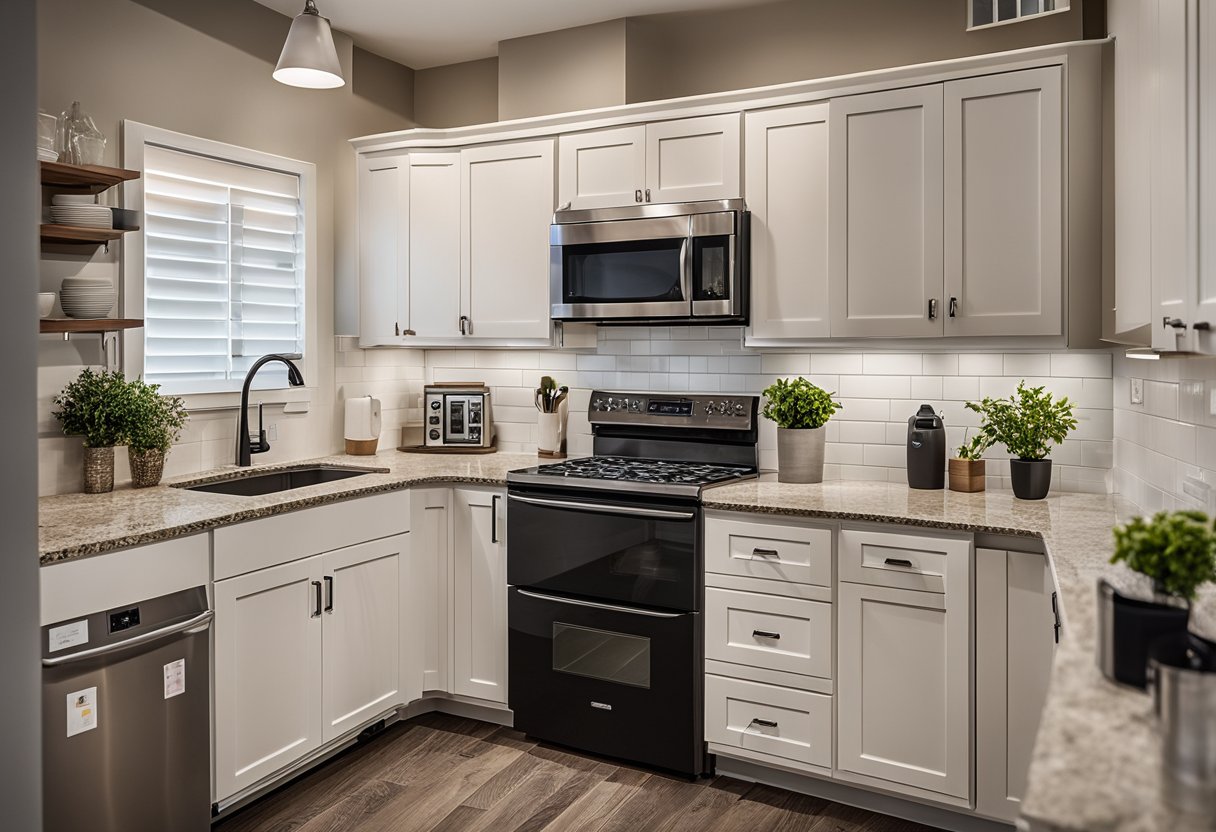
x: 155, y: 422
x: 1177, y: 552
x: 96, y: 407
x: 966, y: 468
x: 800, y: 410
x: 1027, y: 423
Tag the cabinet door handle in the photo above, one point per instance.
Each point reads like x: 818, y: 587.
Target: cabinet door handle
x: 766, y: 553
x: 316, y: 613
x: 408, y: 332
x: 953, y: 311
x: 329, y: 592
x: 648, y: 194
x: 765, y: 634
x: 904, y: 562
x: 1176, y: 323
x: 464, y: 324
x: 494, y: 518
x: 763, y: 723
x: 932, y: 309
x: 1055, y: 612
x: 1201, y: 326
x: 396, y: 328
x: 637, y: 195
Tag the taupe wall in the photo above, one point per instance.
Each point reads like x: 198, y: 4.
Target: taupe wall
x: 20, y: 682
x: 457, y: 94
x: 204, y: 69
x: 558, y: 72
x: 673, y: 55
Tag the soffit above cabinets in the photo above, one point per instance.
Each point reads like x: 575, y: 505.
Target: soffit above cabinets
x: 421, y: 34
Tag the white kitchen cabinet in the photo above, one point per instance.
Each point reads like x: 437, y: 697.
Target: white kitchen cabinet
x: 430, y: 585
x: 383, y: 247
x: 267, y: 672
x: 602, y: 168
x: 885, y: 213
x: 479, y: 583
x: 681, y: 160
x: 1004, y: 197
x: 506, y: 208
x: 1015, y: 626
x: 787, y: 193
x: 365, y: 652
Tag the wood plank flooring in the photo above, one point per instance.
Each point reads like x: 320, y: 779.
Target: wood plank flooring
x: 439, y: 773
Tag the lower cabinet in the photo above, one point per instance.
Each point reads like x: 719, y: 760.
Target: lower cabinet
x: 304, y: 652
x: 430, y: 587
x: 479, y: 595
x: 792, y: 725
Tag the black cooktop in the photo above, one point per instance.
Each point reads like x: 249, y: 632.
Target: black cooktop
x: 644, y: 470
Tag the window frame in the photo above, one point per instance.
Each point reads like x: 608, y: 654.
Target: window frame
x: 1018, y: 18
x: 136, y: 137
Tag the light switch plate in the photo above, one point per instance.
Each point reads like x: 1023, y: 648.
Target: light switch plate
x: 1137, y: 391
x: 272, y: 432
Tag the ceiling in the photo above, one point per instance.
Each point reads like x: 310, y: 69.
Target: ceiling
x: 426, y: 33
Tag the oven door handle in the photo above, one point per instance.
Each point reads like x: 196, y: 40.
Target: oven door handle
x: 598, y: 606
x: 573, y: 505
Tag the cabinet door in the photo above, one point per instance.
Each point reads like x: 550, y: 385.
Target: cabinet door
x: 434, y: 245
x: 787, y: 192
x: 267, y: 672
x: 885, y: 219
x: 1014, y: 646
x: 383, y: 248
x: 601, y: 168
x: 504, y: 239
x: 1204, y: 313
x: 364, y: 647
x: 1004, y: 194
x: 479, y: 596
x: 904, y: 687
x: 429, y: 586
x: 691, y: 159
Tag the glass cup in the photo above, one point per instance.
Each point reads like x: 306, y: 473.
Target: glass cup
x: 88, y: 150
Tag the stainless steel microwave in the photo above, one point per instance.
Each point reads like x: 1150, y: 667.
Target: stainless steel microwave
x: 672, y: 263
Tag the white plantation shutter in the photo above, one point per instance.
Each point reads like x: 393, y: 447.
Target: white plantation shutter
x: 223, y: 271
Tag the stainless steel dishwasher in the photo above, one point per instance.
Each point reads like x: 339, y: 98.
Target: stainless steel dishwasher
x: 126, y: 718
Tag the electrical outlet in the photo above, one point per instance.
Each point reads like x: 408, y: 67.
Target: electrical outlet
x: 1137, y: 388
x: 272, y: 432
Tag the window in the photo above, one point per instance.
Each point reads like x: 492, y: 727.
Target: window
x: 222, y: 269
x: 983, y: 13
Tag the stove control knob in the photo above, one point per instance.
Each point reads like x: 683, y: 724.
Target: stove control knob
x: 723, y: 408
x: 709, y: 408
x: 635, y: 405
x: 739, y: 409
x: 434, y: 434
x: 598, y: 404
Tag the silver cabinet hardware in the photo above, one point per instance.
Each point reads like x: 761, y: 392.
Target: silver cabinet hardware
x: 1176, y: 323
x: 932, y: 309
x: 648, y: 194
x: 637, y: 195
x: 465, y: 329
x: 763, y: 723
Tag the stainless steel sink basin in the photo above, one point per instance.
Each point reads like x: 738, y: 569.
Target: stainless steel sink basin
x: 282, y: 479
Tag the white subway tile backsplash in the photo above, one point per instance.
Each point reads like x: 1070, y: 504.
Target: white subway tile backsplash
x: 939, y: 364
x: 960, y: 388
x: 1081, y: 364
x: 927, y: 387
x: 875, y: 387
x: 981, y: 364
x: 836, y: 363
x: 1027, y: 364
x: 785, y: 364
x: 891, y: 363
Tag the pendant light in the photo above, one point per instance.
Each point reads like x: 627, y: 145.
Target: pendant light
x: 309, y: 58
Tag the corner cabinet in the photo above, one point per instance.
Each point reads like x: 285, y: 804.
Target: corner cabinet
x: 479, y: 582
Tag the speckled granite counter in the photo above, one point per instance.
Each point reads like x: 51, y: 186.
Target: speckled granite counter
x: 78, y: 525
x: 1095, y: 764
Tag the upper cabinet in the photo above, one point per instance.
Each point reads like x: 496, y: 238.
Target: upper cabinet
x: 383, y: 247
x: 885, y: 213
x: 683, y: 160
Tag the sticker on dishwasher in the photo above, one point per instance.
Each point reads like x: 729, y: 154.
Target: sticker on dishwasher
x: 82, y: 711
x: 175, y: 678
x: 68, y: 635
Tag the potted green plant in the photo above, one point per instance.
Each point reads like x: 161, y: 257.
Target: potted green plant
x: 966, y: 468
x: 155, y: 422
x: 800, y: 410
x: 96, y: 406
x: 1027, y: 423
x: 1176, y: 551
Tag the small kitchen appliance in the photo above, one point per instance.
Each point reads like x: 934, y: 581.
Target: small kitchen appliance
x: 605, y: 562
x: 362, y: 432
x: 458, y: 415
x: 926, y: 449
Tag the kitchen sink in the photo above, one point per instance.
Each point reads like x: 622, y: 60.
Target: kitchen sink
x: 282, y: 479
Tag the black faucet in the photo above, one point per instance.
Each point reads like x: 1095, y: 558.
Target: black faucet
x: 244, y: 447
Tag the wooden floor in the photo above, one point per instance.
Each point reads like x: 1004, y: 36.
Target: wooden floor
x: 438, y: 772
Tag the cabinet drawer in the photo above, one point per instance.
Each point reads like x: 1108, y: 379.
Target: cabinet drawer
x: 790, y: 634
x: 906, y: 561
x: 768, y: 550
x: 788, y: 723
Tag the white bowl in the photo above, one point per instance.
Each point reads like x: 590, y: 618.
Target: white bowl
x: 89, y: 306
x: 81, y: 280
x: 46, y: 304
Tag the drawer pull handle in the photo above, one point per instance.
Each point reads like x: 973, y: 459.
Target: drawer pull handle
x: 904, y: 562
x: 763, y: 723
x: 766, y: 553
x: 764, y: 634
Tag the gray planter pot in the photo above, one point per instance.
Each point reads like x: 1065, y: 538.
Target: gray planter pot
x: 800, y: 454
x: 1031, y: 478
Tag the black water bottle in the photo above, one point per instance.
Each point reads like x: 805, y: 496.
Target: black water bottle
x: 926, y: 449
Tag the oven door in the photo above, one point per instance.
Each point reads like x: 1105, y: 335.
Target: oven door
x: 607, y: 679
x: 606, y: 549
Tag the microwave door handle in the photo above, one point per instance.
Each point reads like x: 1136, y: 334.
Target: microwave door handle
x: 686, y: 270
x: 596, y: 508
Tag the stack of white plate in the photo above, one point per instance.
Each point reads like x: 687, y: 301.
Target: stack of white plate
x: 87, y: 297
x: 80, y: 210
x: 47, y: 155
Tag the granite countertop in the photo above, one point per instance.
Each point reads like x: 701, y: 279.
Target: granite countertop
x: 1095, y: 764
x: 1096, y: 759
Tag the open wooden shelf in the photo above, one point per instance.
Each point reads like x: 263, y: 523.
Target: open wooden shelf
x: 69, y: 325
x: 78, y: 234
x: 89, y: 178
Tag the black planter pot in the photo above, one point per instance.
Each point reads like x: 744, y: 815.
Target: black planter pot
x: 1031, y: 478
x: 1128, y: 628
